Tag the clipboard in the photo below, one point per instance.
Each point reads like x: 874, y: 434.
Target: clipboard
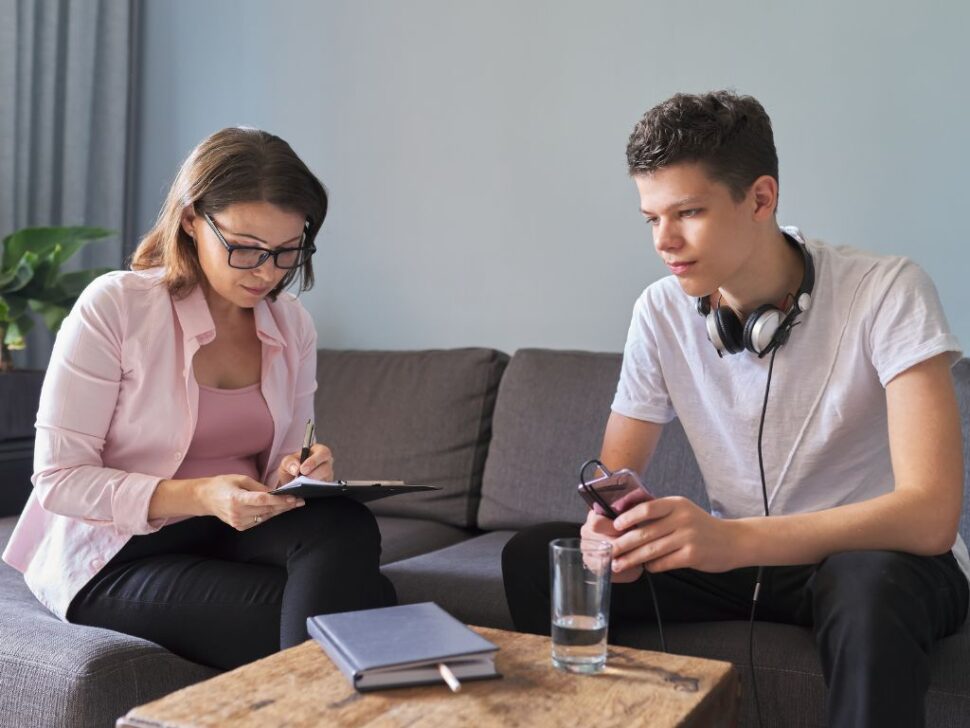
x: 360, y: 490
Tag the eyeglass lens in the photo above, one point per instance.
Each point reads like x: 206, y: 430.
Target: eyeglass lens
x: 251, y: 258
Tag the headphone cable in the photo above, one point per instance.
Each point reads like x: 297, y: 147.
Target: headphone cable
x: 761, y: 569
x: 656, y: 610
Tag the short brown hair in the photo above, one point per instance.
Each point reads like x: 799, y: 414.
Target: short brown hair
x: 236, y: 164
x: 729, y: 134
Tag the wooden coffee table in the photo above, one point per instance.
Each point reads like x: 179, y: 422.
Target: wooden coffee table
x: 302, y: 687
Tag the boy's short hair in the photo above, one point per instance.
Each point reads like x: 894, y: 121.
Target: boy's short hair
x: 729, y: 134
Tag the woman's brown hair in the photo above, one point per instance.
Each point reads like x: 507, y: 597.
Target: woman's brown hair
x: 233, y: 165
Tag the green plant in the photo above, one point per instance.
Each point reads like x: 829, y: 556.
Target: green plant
x: 31, y: 280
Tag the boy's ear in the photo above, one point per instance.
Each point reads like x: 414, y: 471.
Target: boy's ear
x: 764, y: 193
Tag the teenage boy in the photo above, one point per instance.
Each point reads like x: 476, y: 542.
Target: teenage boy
x: 863, y: 471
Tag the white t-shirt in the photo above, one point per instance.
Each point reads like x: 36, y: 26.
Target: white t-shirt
x: 826, y: 440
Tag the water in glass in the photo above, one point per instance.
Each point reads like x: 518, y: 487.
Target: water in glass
x: 579, y: 643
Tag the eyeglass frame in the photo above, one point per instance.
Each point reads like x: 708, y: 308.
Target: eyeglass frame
x: 265, y: 254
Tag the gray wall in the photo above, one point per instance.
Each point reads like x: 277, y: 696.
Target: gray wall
x: 475, y: 150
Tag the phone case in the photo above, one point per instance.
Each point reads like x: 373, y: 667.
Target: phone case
x: 614, y: 493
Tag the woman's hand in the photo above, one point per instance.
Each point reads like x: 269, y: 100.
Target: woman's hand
x: 318, y: 465
x: 241, y: 501
x: 674, y: 533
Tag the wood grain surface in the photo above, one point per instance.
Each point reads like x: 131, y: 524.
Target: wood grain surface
x: 301, y: 687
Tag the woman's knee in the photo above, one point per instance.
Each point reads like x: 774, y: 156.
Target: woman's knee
x: 340, y: 511
x: 325, y: 520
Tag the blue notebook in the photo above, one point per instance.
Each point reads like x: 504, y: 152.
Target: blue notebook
x: 402, y: 646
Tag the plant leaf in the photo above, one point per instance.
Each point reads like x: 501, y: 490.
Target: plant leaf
x: 18, y: 276
x: 52, y: 314
x: 43, y: 286
x: 11, y: 307
x: 30, y: 277
x: 16, y: 331
x: 41, y: 241
x: 13, y: 339
x: 43, y: 270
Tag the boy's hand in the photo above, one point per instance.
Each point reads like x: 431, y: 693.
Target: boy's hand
x: 674, y: 533
x: 600, y: 528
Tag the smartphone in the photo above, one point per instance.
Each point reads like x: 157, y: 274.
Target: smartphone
x: 612, y: 494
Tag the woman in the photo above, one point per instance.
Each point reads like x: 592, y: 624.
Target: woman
x: 176, y: 397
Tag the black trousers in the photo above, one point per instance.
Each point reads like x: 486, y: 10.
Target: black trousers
x: 875, y: 614
x: 222, y: 597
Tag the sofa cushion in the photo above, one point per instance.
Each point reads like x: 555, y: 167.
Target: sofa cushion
x: 402, y: 538
x: 465, y: 579
x: 550, y: 416
x: 424, y: 417
x: 52, y: 672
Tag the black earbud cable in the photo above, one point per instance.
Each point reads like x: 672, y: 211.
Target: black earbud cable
x: 656, y: 610
x: 761, y: 569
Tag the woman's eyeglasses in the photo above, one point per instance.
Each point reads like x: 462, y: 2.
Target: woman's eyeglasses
x: 246, y: 256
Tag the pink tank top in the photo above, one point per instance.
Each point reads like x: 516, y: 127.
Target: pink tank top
x: 233, y: 430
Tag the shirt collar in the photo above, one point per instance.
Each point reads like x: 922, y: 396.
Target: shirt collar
x: 196, y: 320
x: 266, y: 328
x: 194, y: 317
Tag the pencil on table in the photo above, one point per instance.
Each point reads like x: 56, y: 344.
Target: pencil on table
x: 449, y: 677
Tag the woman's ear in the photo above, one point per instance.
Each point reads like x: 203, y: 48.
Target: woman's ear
x: 188, y: 221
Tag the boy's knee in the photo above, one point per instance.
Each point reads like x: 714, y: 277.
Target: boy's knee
x: 528, y: 550
x: 867, y: 588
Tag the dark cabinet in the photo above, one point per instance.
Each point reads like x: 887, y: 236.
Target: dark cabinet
x: 19, y: 395
x: 16, y: 465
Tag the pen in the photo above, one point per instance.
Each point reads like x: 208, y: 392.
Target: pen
x: 307, y: 441
x: 449, y: 677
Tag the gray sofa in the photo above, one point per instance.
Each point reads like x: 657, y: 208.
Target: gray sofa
x: 504, y: 436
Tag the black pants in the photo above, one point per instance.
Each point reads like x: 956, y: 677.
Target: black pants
x: 222, y: 597
x: 875, y: 614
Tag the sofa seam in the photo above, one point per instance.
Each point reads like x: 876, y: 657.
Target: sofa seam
x: 494, y: 370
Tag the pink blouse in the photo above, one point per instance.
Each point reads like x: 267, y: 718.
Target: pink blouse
x: 118, y: 414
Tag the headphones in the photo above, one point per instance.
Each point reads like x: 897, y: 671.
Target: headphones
x: 768, y: 327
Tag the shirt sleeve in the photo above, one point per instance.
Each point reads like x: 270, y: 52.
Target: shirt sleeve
x: 908, y: 324
x: 77, y: 403
x: 306, y: 385
x: 642, y: 392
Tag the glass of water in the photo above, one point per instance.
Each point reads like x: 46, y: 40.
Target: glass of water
x: 580, y: 574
